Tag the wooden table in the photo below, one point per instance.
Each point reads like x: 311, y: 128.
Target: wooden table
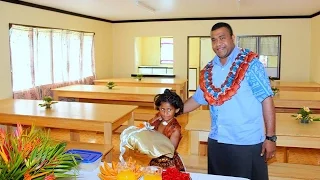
x: 289, y: 131
x: 140, y: 96
x: 179, y: 85
x: 74, y: 116
x: 297, y: 86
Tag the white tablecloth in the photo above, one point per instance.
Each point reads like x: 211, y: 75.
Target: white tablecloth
x: 93, y: 175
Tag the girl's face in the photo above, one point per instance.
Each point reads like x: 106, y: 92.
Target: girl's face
x: 167, y: 111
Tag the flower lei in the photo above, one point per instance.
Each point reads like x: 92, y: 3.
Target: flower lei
x: 217, y: 96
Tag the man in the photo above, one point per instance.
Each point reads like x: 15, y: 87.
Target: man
x: 237, y: 89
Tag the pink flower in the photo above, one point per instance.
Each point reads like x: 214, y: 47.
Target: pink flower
x: 18, y: 132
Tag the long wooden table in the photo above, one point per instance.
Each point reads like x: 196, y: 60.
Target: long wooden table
x: 74, y: 116
x: 297, y: 86
x: 179, y: 85
x: 290, y: 132
x: 140, y: 96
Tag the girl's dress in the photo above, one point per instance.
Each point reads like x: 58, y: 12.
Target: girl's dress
x: 164, y: 161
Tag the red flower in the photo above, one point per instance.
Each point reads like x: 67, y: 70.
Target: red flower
x: 175, y: 174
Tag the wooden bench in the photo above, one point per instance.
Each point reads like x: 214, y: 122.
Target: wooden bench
x: 105, y: 149
x: 277, y: 171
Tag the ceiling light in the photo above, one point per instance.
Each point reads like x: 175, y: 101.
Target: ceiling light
x: 145, y: 6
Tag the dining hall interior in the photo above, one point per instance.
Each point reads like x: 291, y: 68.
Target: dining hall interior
x: 105, y: 61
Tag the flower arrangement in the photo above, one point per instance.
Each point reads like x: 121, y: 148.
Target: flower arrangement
x: 304, y: 116
x: 47, y: 102
x: 30, y: 154
x: 139, y: 77
x: 110, y: 85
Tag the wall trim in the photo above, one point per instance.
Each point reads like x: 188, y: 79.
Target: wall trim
x: 315, y: 14
x: 156, y: 20
x: 215, y: 18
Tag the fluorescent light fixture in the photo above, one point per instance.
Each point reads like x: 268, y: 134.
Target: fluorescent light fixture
x: 145, y: 6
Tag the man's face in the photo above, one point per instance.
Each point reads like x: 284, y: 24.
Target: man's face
x: 222, y: 42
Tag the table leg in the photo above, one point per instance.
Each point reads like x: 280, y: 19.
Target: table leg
x: 286, y: 155
x: 194, y: 142
x: 131, y: 120
x: 178, y: 91
x: 74, y: 135
x: 107, y: 133
x: 185, y: 91
x: 108, y: 139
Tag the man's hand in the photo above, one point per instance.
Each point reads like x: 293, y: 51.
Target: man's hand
x: 268, y: 148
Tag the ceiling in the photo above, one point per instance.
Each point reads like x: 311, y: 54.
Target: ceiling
x: 120, y: 10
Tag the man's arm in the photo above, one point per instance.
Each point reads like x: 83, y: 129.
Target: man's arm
x: 269, y: 147
x: 269, y: 116
x: 190, y: 105
x: 260, y: 86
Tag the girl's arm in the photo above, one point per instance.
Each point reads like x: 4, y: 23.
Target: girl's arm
x: 175, y: 138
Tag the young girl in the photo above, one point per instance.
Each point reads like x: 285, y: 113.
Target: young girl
x: 170, y: 105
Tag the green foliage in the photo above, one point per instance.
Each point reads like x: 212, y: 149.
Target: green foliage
x: 110, y: 85
x: 139, y: 76
x: 31, y: 154
x: 47, y: 102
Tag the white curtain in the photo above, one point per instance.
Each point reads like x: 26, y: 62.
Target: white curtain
x: 47, y: 58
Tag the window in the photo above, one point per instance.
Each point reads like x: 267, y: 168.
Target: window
x: 41, y: 56
x: 268, y: 48
x: 166, y: 50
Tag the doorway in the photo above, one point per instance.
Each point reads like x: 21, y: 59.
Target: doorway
x: 199, y: 54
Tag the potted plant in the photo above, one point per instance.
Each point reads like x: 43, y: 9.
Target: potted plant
x: 304, y: 116
x: 47, y: 102
x: 31, y: 154
x: 139, y: 77
x: 110, y: 85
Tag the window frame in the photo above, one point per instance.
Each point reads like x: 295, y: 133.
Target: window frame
x: 258, y: 37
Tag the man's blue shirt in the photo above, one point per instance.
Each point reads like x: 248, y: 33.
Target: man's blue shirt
x: 239, y: 120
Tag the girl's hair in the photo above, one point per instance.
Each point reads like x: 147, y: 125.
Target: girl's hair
x: 171, y: 98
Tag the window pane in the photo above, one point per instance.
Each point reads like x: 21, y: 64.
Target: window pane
x: 59, y: 51
x: 166, y: 51
x: 42, y: 57
x: 166, y: 40
x: 87, y: 56
x: 20, y: 59
x: 264, y: 60
x: 269, y: 46
x: 74, y: 56
x: 248, y: 43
